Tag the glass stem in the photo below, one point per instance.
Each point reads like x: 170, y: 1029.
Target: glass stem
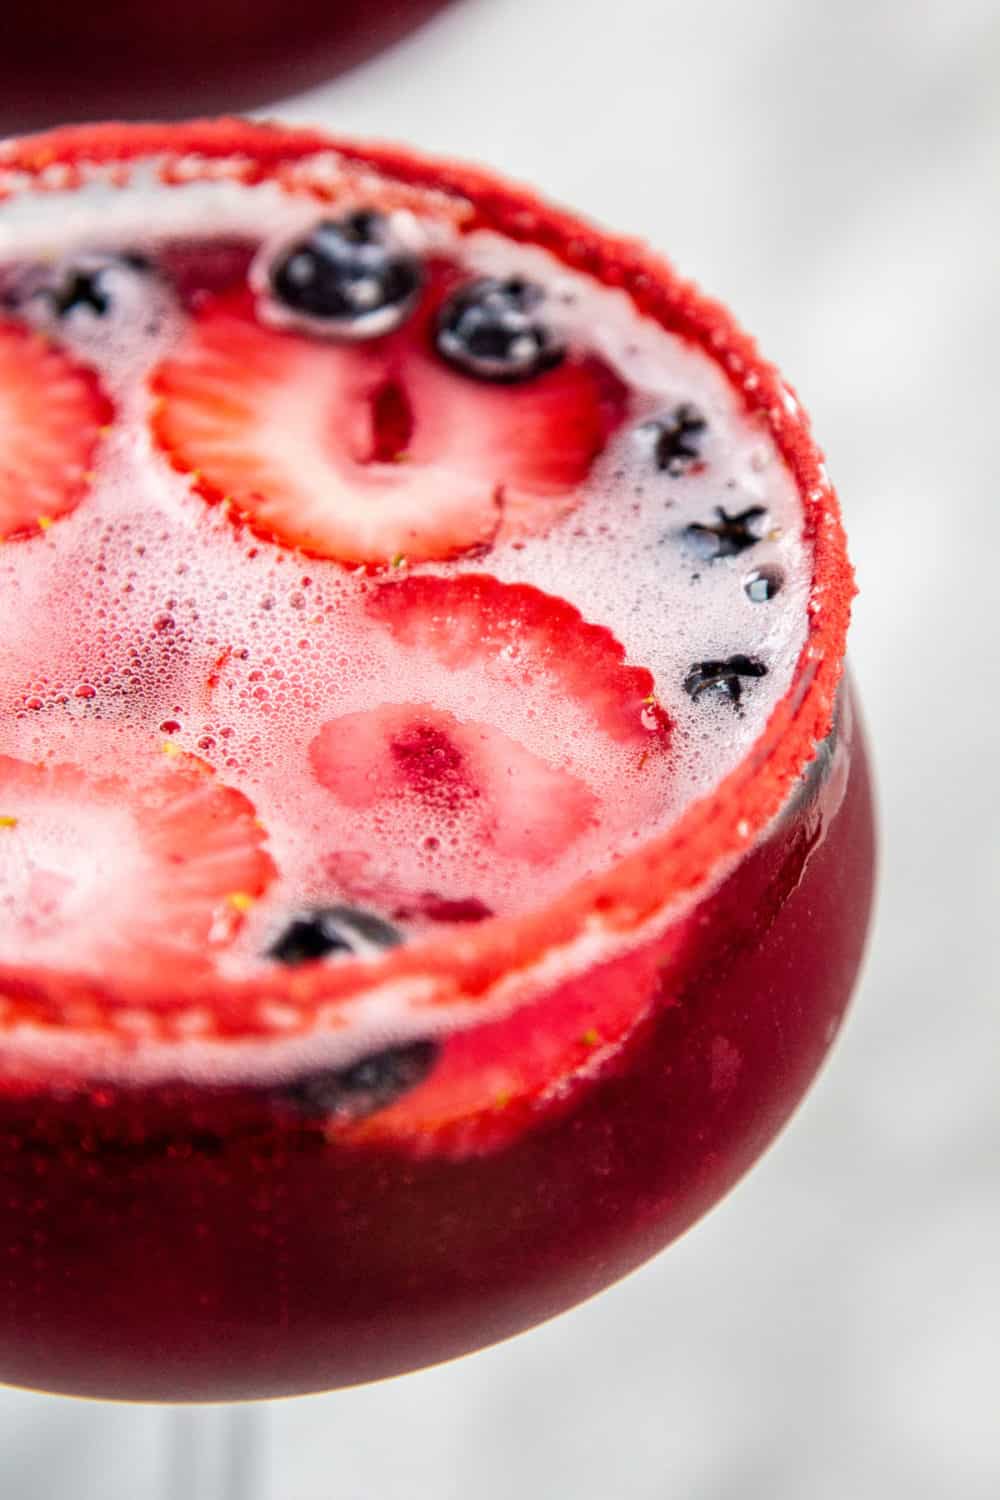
x: 215, y: 1453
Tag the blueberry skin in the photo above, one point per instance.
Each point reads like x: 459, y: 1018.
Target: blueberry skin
x: 723, y: 678
x: 495, y: 330
x: 372, y: 1083
x: 349, y: 277
x: 729, y: 535
x: 95, y: 282
x: 677, y: 439
x: 325, y: 930
x: 763, y: 584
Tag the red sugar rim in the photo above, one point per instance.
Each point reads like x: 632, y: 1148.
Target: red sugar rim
x: 462, y: 967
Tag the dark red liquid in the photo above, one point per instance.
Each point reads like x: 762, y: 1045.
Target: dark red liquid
x: 61, y: 61
x: 177, y: 1243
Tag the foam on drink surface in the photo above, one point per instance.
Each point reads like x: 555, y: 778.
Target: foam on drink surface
x: 145, y: 617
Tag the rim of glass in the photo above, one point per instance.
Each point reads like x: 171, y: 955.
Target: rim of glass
x: 475, y: 967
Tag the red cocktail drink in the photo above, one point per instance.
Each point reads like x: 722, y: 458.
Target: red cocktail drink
x: 436, y: 839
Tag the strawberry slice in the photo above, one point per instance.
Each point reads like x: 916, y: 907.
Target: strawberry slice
x: 439, y: 808
x: 436, y: 767
x: 492, y: 1082
x: 139, y: 877
x: 366, y: 452
x: 525, y: 639
x: 52, y: 411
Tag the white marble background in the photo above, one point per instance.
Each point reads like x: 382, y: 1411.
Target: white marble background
x: 832, y: 1331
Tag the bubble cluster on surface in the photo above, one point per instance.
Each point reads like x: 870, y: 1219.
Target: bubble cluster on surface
x: 146, y: 619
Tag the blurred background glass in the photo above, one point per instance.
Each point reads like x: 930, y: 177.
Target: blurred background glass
x: 832, y: 1331
x: 121, y: 60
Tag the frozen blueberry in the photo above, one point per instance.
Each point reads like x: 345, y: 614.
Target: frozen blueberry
x: 325, y: 930
x: 350, y: 275
x: 728, y: 536
x: 762, y: 584
x: 365, y: 1086
x: 495, y: 330
x: 677, y: 439
x: 723, y: 677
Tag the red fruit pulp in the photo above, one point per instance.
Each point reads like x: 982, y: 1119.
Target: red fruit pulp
x: 194, y: 1207
x: 62, y: 62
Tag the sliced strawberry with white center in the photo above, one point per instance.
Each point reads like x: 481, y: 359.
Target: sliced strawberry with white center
x: 52, y: 411
x: 146, y: 876
x: 527, y: 737
x: 364, y: 452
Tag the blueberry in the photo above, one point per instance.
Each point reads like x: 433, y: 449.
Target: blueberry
x: 728, y: 536
x: 365, y: 1086
x: 325, y: 930
x: 95, y: 282
x: 349, y: 275
x: 494, y: 329
x: 723, y: 677
x: 762, y: 584
x: 677, y: 438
